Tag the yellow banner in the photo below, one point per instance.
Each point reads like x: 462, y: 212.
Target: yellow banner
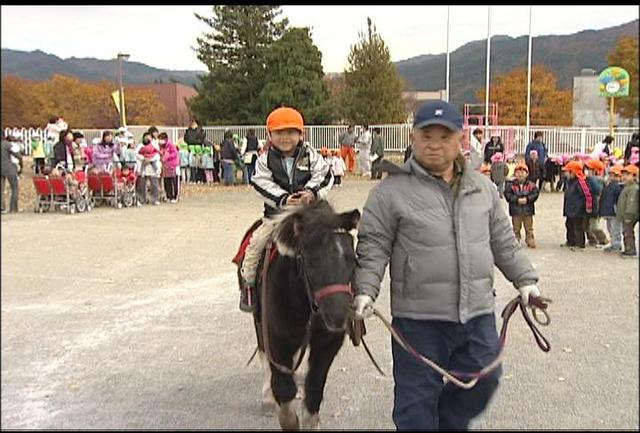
x: 116, y: 99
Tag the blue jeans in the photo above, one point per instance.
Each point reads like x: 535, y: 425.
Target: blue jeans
x: 614, y: 227
x: 421, y: 400
x: 251, y: 168
x: 228, y: 169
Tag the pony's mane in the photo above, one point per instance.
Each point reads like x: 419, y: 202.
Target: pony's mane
x: 301, y: 223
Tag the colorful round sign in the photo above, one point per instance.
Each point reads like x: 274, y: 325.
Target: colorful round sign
x: 614, y: 82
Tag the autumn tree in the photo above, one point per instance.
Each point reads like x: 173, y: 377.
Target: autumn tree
x: 235, y: 54
x: 373, y: 89
x: 625, y: 55
x: 82, y: 104
x: 16, y: 101
x: 549, y: 105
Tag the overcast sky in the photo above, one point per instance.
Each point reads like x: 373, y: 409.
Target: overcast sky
x: 162, y: 36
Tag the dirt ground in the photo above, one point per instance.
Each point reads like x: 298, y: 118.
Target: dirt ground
x: 129, y: 319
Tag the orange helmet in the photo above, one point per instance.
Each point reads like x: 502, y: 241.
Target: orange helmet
x: 285, y: 118
x: 573, y: 166
x: 596, y: 165
x: 616, y: 169
x: 631, y: 168
x: 521, y: 166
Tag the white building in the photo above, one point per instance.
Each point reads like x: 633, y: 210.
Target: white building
x: 589, y: 108
x: 413, y: 100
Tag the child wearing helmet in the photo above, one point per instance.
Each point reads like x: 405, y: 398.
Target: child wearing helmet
x: 594, y: 171
x: 521, y: 194
x: 289, y: 173
x: 627, y: 208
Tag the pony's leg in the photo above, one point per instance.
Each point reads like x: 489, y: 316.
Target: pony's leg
x: 283, y: 386
x: 324, y: 347
x: 268, y: 403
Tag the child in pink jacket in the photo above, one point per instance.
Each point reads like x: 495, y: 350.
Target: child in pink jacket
x: 170, y: 163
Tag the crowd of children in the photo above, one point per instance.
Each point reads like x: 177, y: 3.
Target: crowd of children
x: 597, y: 187
x: 595, y: 190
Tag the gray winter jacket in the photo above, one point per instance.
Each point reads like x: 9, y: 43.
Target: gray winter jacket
x: 7, y: 150
x: 442, y: 248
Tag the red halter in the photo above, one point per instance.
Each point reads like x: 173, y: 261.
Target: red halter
x: 330, y: 290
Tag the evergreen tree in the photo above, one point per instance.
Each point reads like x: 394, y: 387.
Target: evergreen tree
x: 295, y: 78
x: 234, y: 52
x: 373, y: 92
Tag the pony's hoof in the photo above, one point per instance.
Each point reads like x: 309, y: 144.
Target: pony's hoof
x: 268, y: 408
x: 287, y: 417
x: 309, y: 421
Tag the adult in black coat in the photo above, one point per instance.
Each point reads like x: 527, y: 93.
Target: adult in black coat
x: 194, y: 134
x: 62, y: 148
x: 494, y: 145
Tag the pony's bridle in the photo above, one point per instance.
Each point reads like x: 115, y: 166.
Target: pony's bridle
x: 315, y: 297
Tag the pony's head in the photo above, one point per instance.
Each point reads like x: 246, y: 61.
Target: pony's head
x: 320, y: 240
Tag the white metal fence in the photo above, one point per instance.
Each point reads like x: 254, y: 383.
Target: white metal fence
x: 394, y: 136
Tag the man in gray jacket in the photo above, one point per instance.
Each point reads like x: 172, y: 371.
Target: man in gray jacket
x: 442, y: 226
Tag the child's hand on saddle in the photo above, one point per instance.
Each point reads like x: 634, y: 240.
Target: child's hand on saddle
x: 307, y: 197
x: 301, y: 197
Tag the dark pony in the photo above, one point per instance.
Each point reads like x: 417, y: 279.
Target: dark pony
x: 306, y: 302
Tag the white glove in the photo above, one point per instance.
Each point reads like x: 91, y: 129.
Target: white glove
x: 364, y: 306
x: 526, y: 291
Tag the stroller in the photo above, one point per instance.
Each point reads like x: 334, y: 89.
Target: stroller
x: 58, y: 191
x: 104, y: 188
x: 126, y: 185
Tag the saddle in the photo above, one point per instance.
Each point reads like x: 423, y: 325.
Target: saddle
x: 239, y: 258
x: 356, y: 327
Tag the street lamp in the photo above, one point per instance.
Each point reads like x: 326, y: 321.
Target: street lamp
x: 121, y: 57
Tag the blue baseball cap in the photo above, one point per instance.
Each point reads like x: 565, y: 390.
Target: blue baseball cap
x: 438, y: 113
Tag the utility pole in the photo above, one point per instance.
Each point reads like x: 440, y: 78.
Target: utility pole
x: 121, y: 57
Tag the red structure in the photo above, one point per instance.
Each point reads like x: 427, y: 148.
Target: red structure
x: 474, y: 117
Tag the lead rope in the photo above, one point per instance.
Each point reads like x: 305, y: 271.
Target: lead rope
x: 536, y: 303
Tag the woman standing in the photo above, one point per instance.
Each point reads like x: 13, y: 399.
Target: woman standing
x: 145, y: 170
x: 170, y: 162
x: 104, y: 151
x: 63, y: 151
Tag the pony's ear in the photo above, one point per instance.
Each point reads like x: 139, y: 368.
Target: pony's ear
x: 349, y: 220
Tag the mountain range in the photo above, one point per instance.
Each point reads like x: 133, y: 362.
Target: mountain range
x: 565, y: 55
x: 40, y: 66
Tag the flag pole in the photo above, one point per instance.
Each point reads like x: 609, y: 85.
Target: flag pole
x: 448, y: 55
x: 529, y: 81
x: 486, y: 97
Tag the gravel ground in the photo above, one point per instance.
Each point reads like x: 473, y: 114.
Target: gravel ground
x: 128, y: 319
